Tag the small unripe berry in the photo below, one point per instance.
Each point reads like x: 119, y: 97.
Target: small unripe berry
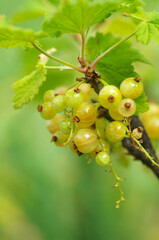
x: 49, y: 95
x: 127, y: 107
x: 74, y: 98
x: 110, y: 96
x: 48, y: 112
x: 53, y: 125
x: 59, y: 103
x: 115, y: 131
x: 137, y: 132
x: 102, y: 159
x: 131, y: 87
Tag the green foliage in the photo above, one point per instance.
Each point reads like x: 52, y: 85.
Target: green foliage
x: 116, y: 65
x: 11, y: 37
x: 77, y: 18
x: 26, y: 88
x: 141, y: 104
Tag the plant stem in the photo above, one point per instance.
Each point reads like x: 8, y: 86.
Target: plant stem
x: 110, y: 49
x: 58, y: 68
x: 83, y: 48
x: 145, y: 152
x: 57, y: 59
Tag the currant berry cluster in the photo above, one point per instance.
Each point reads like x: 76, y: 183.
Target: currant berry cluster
x: 73, y: 119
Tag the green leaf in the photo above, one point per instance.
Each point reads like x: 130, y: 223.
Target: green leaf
x: 141, y: 104
x: 11, y: 37
x: 149, y: 26
x: 117, y: 64
x: 78, y: 17
x: 130, y: 6
x: 26, y: 88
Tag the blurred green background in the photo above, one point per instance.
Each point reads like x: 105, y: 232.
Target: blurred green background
x: 47, y: 192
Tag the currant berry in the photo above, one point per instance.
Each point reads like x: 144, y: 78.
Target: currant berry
x: 47, y: 111
x: 137, y: 132
x: 152, y: 127
x: 72, y: 146
x: 59, y: 103
x: 59, y: 139
x: 115, y: 115
x: 66, y: 125
x: 86, y: 115
x: 53, y: 125
x: 110, y: 96
x: 87, y: 90
x: 85, y: 140
x: 152, y: 112
x: 102, y: 123
x: 100, y: 146
x: 74, y: 98
x: 49, y: 95
x: 115, y: 131
x: 103, y: 159
x: 127, y: 107
x: 131, y: 87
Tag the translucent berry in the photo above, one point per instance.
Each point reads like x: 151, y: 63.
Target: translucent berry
x: 85, y: 140
x: 115, y: 115
x: 137, y: 132
x: 152, y: 112
x: 59, y: 139
x: 53, y: 125
x: 66, y: 125
x: 74, y: 98
x: 86, y: 114
x: 59, y: 103
x: 127, y: 107
x: 87, y: 90
x: 102, y: 158
x: 48, y: 112
x: 152, y: 127
x: 115, y: 131
x: 49, y: 95
x: 110, y: 96
x: 131, y: 87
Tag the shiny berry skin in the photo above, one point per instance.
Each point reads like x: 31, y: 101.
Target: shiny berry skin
x: 59, y: 103
x: 102, y: 159
x: 74, y: 98
x: 110, y: 96
x: 85, y: 140
x: 127, y: 107
x: 59, y: 139
x: 61, y: 90
x: 86, y: 114
x: 48, y: 112
x: 152, y: 127
x: 66, y: 125
x: 87, y: 90
x: 49, y: 95
x: 131, y: 88
x: 115, y: 115
x: 53, y: 125
x: 115, y: 131
x: 137, y: 132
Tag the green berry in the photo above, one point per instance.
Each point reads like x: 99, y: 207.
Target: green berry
x: 85, y: 140
x: 53, y: 125
x: 74, y: 98
x: 137, y: 132
x: 86, y: 114
x: 110, y: 96
x: 48, y: 112
x: 131, y: 87
x: 66, y: 125
x: 59, y: 103
x: 127, y: 107
x: 49, y: 95
x: 115, y: 131
x: 103, y: 159
x: 115, y: 115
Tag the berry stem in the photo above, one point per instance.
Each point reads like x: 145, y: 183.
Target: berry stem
x: 79, y: 69
x: 145, y: 152
x: 83, y: 48
x: 58, y: 68
x: 111, y: 48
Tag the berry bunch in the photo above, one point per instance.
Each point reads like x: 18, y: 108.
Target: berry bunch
x: 73, y: 119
